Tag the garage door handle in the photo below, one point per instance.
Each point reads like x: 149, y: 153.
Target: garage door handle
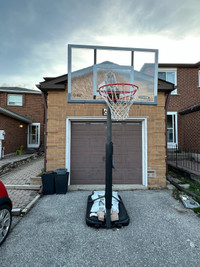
x: 103, y: 158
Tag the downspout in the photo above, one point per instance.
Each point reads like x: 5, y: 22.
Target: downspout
x: 45, y: 128
x: 166, y: 106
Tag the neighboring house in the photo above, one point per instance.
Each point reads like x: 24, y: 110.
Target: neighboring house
x: 183, y: 113
x: 22, y: 118
x: 76, y: 136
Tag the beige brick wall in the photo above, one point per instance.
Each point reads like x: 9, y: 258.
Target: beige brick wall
x: 59, y: 109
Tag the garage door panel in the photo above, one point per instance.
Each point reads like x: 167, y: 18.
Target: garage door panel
x: 82, y: 165
x: 88, y: 153
x: 84, y: 177
x: 88, y: 145
x: 84, y: 161
x: 127, y: 176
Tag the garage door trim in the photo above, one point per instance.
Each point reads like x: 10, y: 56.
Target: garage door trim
x: 143, y: 120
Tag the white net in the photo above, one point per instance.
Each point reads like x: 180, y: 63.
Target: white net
x: 119, y: 98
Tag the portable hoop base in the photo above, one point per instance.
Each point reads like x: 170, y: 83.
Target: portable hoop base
x: 94, y: 222
x: 119, y: 98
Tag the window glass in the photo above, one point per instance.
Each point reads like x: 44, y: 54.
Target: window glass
x: 34, y: 135
x: 169, y: 76
x: 162, y: 75
x: 171, y: 128
x: 14, y: 100
x: 169, y: 121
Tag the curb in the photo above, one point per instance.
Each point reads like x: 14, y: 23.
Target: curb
x: 19, y: 211
x: 120, y: 187
x: 30, y: 205
x: 16, y: 211
x: 22, y: 187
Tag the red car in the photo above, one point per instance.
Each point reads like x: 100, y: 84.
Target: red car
x: 5, y: 213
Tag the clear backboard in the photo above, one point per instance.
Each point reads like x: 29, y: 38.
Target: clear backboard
x: 89, y: 67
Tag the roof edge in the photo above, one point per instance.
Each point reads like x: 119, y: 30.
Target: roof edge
x: 190, y: 109
x: 15, y: 115
x: 59, y: 83
x: 180, y: 65
x: 19, y: 90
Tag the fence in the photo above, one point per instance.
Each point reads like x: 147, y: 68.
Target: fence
x: 184, y: 158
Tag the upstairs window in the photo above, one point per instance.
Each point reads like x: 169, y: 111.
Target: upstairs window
x: 169, y: 75
x: 15, y: 100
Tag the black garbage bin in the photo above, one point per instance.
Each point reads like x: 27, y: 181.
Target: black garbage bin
x: 48, y: 183
x: 61, y: 181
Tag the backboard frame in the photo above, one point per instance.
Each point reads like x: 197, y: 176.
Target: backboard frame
x: 95, y: 66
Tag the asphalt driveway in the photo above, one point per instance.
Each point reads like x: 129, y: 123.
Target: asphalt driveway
x: 161, y: 233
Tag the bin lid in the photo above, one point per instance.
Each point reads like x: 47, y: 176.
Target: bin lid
x: 49, y: 172
x: 61, y: 171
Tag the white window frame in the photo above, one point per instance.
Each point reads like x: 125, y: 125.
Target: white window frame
x: 34, y: 145
x: 174, y: 92
x: 10, y: 103
x: 174, y: 117
x: 199, y: 78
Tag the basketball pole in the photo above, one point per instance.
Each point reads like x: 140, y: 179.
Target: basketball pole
x: 109, y: 166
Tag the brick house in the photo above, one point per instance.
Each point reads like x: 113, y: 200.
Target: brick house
x: 76, y: 136
x: 183, y: 113
x: 22, y: 118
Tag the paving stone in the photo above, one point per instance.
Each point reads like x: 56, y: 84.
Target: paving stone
x: 13, y: 161
x: 21, y: 198
x: 21, y: 176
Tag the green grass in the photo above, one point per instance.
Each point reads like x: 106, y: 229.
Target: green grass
x: 42, y: 172
x: 175, y: 175
x: 194, y: 187
x: 176, y: 194
x: 197, y: 211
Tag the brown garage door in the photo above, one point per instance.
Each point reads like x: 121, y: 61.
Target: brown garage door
x: 88, y: 152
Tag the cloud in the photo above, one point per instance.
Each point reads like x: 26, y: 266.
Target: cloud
x: 177, y: 19
x: 35, y: 34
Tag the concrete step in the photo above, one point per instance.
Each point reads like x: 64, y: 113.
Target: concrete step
x: 36, y: 180
x: 22, y: 187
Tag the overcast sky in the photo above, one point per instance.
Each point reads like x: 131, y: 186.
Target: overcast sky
x: 34, y: 34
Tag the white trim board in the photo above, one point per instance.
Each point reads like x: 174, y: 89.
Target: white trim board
x: 69, y: 120
x: 173, y: 145
x: 34, y: 145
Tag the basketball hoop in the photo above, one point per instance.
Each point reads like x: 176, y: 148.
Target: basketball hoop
x: 119, y: 98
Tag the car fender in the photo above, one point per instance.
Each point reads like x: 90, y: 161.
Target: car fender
x: 6, y: 201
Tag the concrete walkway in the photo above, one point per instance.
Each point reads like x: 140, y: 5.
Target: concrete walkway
x: 21, y: 176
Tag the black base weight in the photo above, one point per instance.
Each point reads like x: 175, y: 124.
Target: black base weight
x: 94, y: 222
